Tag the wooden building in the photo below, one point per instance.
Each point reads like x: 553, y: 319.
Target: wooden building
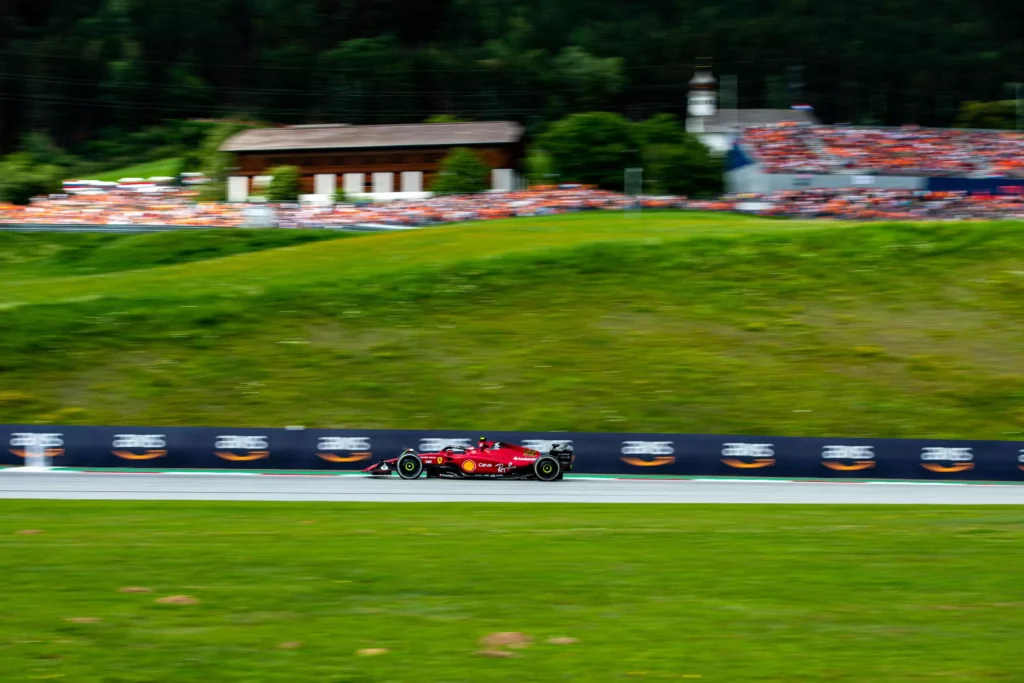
x: 383, y: 162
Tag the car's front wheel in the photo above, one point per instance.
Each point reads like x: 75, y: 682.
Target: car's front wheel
x: 410, y: 466
x: 547, y: 468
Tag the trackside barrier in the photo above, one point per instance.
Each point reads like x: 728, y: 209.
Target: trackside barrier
x: 167, y: 448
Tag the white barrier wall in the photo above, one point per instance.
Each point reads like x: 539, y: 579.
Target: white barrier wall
x: 238, y: 188
x: 751, y: 178
x: 383, y: 183
x: 412, y: 181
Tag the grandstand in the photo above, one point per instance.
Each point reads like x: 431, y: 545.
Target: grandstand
x: 792, y: 156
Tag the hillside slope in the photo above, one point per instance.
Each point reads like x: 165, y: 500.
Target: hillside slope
x: 667, y: 322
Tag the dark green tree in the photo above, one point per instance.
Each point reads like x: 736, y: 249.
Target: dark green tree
x: 593, y: 148
x: 1000, y: 114
x: 660, y: 129
x: 76, y: 68
x: 21, y: 178
x: 591, y: 82
x: 285, y: 185
x: 461, y: 172
x: 539, y: 169
x: 686, y: 168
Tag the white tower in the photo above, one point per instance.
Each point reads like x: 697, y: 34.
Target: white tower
x: 703, y: 99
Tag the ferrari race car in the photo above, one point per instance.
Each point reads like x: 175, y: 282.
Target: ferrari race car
x: 487, y: 460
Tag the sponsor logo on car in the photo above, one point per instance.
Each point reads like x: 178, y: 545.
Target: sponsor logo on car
x: 357, y: 448
x: 440, y: 460
x: 648, y: 453
x: 947, y: 459
x: 748, y: 455
x: 856, y: 458
x: 241, y: 448
x: 469, y: 466
x: 435, y: 444
x: 139, y: 446
x: 50, y: 444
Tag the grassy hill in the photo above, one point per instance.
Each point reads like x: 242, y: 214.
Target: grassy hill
x: 149, y: 169
x: 673, y: 322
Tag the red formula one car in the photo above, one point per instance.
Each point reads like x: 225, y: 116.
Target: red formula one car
x: 487, y: 460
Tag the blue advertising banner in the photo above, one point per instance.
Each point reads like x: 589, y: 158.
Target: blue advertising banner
x: 172, y: 448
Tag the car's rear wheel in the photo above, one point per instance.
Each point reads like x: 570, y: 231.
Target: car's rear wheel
x: 547, y: 468
x: 410, y: 466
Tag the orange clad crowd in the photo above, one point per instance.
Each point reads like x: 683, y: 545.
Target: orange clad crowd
x: 172, y: 206
x: 177, y: 207
x: 537, y: 201
x: 909, y: 150
x: 875, y: 204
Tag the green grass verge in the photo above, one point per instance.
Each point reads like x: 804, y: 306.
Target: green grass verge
x: 31, y: 256
x: 655, y: 593
x: 667, y: 322
x: 150, y: 169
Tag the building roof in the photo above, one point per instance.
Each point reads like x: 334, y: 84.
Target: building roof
x: 344, y: 136
x: 729, y: 120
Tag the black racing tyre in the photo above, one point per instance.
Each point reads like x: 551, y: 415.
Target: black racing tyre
x: 547, y: 468
x: 410, y: 466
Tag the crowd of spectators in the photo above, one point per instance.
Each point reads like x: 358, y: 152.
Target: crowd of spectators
x: 909, y: 150
x: 875, y: 204
x: 177, y: 207
x: 124, y: 206
x: 537, y: 201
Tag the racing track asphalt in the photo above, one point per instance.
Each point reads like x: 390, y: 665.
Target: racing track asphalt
x: 16, y: 483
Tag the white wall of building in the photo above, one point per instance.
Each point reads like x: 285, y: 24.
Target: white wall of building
x: 503, y: 179
x: 383, y: 182
x: 238, y: 188
x: 412, y: 181
x: 325, y: 184
x: 354, y: 183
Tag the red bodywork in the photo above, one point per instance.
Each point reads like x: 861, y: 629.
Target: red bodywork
x: 488, y: 460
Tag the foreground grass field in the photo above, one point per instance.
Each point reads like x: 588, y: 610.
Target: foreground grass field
x: 665, y: 322
x: 291, y: 592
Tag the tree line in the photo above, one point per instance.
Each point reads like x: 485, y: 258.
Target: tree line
x: 78, y: 69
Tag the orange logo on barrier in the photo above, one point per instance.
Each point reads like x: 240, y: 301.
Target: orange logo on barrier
x: 958, y: 467
x: 743, y: 465
x: 852, y: 467
x: 748, y: 456
x: 252, y: 455
x: 658, y: 461
x: 148, y: 455
x: 48, y: 452
x: 354, y: 457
